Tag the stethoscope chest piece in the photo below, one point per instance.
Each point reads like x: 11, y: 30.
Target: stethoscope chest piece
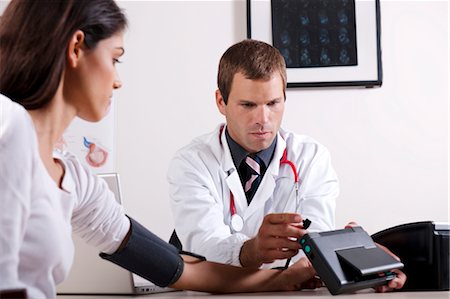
x: 237, y: 223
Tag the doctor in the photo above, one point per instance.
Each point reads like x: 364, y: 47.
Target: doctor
x: 239, y: 194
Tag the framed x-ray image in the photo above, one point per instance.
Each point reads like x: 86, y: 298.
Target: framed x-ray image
x: 324, y: 42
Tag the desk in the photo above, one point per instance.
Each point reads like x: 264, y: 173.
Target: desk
x: 305, y: 294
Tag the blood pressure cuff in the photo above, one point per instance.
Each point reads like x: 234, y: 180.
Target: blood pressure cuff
x: 148, y: 256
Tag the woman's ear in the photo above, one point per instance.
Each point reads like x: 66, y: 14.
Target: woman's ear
x: 75, y: 48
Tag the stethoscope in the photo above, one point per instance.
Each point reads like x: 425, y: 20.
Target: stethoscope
x: 237, y: 223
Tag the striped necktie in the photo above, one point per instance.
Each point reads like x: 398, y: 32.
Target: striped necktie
x: 252, y: 170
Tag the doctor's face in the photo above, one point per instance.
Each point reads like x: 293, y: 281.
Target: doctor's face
x: 254, y: 111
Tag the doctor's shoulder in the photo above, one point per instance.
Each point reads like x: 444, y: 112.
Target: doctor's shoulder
x: 204, y: 149
x: 305, y: 150
x: 202, y: 145
x: 302, y: 146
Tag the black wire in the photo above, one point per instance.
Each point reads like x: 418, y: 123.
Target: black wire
x: 200, y: 257
x: 306, y: 224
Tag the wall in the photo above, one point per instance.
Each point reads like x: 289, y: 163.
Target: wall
x: 169, y: 76
x: 389, y: 145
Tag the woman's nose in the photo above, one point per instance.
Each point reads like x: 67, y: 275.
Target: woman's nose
x: 117, y: 84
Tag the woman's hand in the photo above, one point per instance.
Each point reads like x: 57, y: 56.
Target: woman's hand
x: 300, y: 275
x: 399, y: 281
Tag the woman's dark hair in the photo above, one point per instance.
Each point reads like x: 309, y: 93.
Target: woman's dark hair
x: 34, y: 35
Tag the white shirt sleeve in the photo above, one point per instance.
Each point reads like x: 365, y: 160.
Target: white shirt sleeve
x: 97, y: 217
x: 16, y: 167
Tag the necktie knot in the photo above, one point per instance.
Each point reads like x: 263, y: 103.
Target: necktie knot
x: 251, y: 174
x: 254, y: 163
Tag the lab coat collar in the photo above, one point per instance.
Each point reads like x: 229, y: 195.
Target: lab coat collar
x: 227, y: 160
x: 230, y: 173
x: 274, y: 166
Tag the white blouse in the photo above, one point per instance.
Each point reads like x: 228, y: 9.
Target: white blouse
x: 37, y: 217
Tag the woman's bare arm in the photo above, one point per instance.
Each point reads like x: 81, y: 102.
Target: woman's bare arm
x: 220, y: 278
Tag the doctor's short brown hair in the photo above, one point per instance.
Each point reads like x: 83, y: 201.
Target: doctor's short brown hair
x: 256, y: 60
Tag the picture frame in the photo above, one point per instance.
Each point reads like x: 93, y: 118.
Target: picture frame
x: 363, y: 70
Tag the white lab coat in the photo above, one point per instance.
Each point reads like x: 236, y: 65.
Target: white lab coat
x: 202, y: 174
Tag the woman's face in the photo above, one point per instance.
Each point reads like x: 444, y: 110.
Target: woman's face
x: 91, y: 83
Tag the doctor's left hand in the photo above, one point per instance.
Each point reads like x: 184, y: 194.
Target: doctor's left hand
x: 276, y: 239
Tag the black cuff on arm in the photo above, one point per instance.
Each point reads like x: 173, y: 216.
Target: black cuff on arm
x: 148, y: 256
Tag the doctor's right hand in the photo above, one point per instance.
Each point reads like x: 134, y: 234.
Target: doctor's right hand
x: 276, y: 239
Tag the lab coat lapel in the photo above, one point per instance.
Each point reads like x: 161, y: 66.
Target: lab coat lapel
x: 235, y: 186
x: 263, y: 194
x: 232, y: 177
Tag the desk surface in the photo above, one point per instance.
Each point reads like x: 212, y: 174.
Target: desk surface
x: 308, y: 294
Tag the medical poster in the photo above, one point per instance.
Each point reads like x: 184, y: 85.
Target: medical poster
x: 92, y: 143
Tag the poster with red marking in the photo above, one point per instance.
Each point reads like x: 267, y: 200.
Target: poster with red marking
x: 92, y: 143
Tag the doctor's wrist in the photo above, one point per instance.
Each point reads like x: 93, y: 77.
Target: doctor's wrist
x: 248, y: 256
